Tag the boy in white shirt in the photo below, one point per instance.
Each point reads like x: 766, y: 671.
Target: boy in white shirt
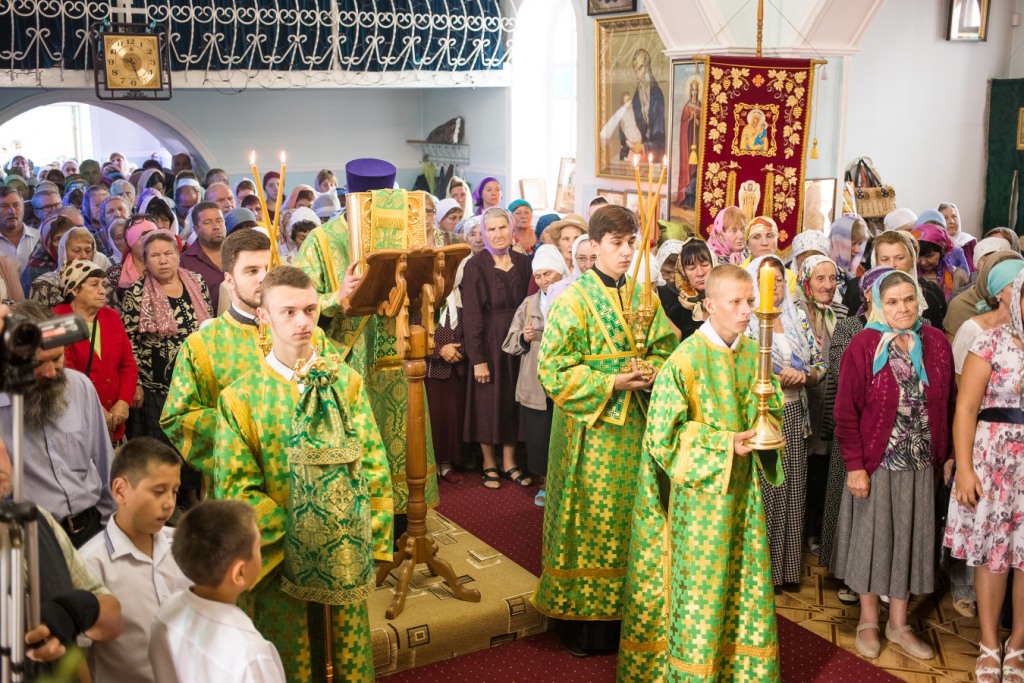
x: 132, y: 556
x: 200, y: 636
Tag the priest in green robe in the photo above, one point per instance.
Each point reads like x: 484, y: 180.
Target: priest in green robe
x: 700, y: 604
x: 367, y: 344
x: 297, y: 440
x: 586, y: 366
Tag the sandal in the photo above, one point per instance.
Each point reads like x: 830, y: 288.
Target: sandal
x: 521, y: 479
x: 491, y: 480
x: 988, y: 674
x: 866, y: 648
x: 847, y: 596
x: 915, y: 647
x: 1012, y: 674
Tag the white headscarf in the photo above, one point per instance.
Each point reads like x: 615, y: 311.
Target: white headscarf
x: 444, y: 207
x: 548, y: 257
x: 667, y: 248
x: 576, y: 272
x: 453, y: 304
x: 790, y: 317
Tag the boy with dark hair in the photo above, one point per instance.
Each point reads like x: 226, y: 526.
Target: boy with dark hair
x: 200, y: 636
x: 133, y: 554
x: 587, y: 366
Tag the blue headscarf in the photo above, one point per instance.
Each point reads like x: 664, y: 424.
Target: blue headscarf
x: 876, y: 321
x: 1001, y: 275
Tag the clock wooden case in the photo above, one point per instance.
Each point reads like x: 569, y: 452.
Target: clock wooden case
x: 131, y: 62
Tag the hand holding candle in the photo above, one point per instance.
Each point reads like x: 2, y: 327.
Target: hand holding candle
x: 766, y: 279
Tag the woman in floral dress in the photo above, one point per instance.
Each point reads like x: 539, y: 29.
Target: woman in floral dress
x: 985, y: 520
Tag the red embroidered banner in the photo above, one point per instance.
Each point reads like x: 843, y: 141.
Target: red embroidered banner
x: 753, y: 147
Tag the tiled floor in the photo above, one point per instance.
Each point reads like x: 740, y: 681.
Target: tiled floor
x: 954, y: 638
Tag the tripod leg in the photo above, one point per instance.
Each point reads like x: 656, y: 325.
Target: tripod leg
x: 396, y: 560
x: 439, y: 567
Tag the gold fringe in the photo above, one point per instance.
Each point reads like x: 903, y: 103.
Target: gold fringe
x: 730, y: 189
x: 326, y: 596
x: 769, y: 195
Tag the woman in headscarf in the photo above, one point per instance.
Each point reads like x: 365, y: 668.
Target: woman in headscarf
x: 156, y: 205
x: 133, y: 262
x: 494, y: 284
x: 583, y: 259
x: 933, y: 261
x: 75, y: 244
x: 899, y: 249
x: 124, y: 189
x: 892, y: 411
x: 106, y: 357
x: 73, y: 196
x: 808, y: 243
x: 301, y: 195
x: 271, y: 188
x: 761, y: 235
x: 798, y: 363
x: 816, y: 297
x: 469, y: 230
x: 1008, y: 235
x: 522, y: 233
x: 955, y: 253
x: 847, y: 237
x: 91, y: 201
x: 993, y: 311
x: 984, y: 523
x: 523, y: 340
x: 458, y: 190
x: 151, y: 179
x: 487, y: 194
x: 448, y: 215
x: 964, y: 306
x: 446, y: 385
x: 243, y: 189
x: 962, y: 239
x: 43, y: 258
x: 159, y: 311
x: 728, y: 240
x: 664, y: 261
x: 842, y: 335
x: 693, y: 265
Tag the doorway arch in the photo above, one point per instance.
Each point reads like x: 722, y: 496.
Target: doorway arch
x: 175, y: 135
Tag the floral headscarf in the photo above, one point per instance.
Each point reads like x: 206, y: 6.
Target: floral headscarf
x: 1016, y: 321
x: 803, y: 284
x: 718, y: 243
x: 689, y: 297
x: 810, y: 240
x: 938, y: 236
x: 801, y: 358
x: 876, y: 321
x: 840, y: 239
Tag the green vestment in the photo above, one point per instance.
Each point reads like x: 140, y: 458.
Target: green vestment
x: 596, y: 435
x: 255, y: 428
x: 368, y: 345
x: 700, y: 604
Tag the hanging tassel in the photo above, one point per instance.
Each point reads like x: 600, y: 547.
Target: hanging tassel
x: 814, y: 148
x: 769, y: 194
x: 730, y: 189
x: 693, y: 155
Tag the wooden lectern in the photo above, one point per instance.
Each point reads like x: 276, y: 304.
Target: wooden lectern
x: 393, y: 280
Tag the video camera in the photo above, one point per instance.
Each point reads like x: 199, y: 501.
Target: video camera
x: 22, y: 338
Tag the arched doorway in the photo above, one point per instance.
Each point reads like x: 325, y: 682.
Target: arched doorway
x: 543, y: 93
x: 71, y: 120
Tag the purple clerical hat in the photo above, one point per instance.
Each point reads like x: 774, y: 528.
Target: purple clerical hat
x: 365, y: 175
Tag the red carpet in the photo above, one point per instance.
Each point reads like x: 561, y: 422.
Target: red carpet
x: 508, y: 520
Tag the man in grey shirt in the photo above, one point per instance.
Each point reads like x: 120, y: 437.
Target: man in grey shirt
x: 67, y: 450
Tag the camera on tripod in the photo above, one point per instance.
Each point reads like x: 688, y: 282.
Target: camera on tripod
x: 22, y: 338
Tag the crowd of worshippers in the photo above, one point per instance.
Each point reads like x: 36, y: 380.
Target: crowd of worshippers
x: 898, y: 353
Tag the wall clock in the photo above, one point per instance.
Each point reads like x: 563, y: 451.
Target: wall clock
x: 131, y: 62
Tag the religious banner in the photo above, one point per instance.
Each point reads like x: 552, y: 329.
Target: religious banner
x: 753, y: 139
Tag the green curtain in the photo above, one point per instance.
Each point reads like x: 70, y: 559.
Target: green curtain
x: 1006, y: 98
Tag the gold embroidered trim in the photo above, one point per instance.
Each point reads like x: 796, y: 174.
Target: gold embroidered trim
x: 636, y: 646
x: 325, y: 456
x: 609, y: 356
x: 575, y: 380
x: 596, y: 573
x: 727, y: 649
x: 325, y: 596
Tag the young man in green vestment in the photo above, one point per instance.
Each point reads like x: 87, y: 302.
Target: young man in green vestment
x: 303, y: 449
x: 700, y: 604
x: 367, y: 344
x: 218, y: 354
x: 586, y: 366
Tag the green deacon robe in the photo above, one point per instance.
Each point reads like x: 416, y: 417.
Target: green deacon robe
x: 251, y: 464
x: 700, y: 604
x: 210, y: 359
x: 595, y: 448
x: 368, y: 345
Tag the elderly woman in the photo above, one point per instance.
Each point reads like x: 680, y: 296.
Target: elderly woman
x: 523, y: 340
x: 111, y: 208
x: 892, y: 411
x: 984, y: 526
x: 43, y: 258
x: 692, y: 267
x: 124, y: 189
x: 964, y: 240
x: 805, y: 244
x: 934, y: 263
x: 816, y: 291
x: 446, y: 385
x: 523, y: 234
x: 494, y: 284
x: 75, y: 244
x: 159, y: 311
x: 91, y: 201
x: 106, y: 357
x: 847, y: 237
x: 728, y: 236
x: 583, y: 259
x: 487, y: 195
x: 470, y: 231
x: 797, y: 360
x: 130, y: 270
x: 564, y: 232
x: 898, y: 249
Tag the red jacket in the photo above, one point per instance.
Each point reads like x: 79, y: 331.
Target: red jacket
x: 114, y: 372
x: 866, y: 405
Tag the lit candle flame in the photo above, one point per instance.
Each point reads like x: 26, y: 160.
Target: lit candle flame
x: 252, y: 158
x: 282, y: 157
x: 636, y: 160
x: 650, y: 158
x: 664, y: 160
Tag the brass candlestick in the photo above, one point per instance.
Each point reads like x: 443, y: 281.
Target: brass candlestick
x: 767, y: 435
x: 639, y: 319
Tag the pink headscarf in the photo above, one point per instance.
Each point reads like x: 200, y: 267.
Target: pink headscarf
x: 129, y: 273
x: 294, y: 197
x: 719, y: 244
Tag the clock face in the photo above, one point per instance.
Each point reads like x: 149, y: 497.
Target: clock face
x: 132, y: 62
